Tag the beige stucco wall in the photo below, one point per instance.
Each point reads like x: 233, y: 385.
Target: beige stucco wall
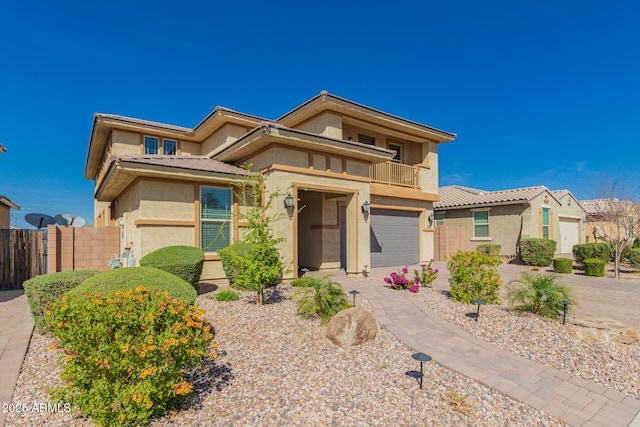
x: 126, y: 212
x: 327, y: 124
x: 5, y: 216
x: 125, y: 142
x: 429, y: 175
x: 545, y: 200
x: 227, y: 134
x: 412, y: 151
x: 167, y: 200
x: 155, y: 237
x: 507, y: 224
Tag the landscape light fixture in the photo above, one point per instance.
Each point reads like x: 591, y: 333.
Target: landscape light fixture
x: 354, y: 293
x: 288, y: 202
x: 421, y: 357
x: 480, y: 302
x: 564, y: 313
x: 366, y: 207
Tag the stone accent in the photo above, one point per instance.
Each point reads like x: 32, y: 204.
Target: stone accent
x: 353, y: 326
x: 602, y: 329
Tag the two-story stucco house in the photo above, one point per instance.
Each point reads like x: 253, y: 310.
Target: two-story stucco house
x: 504, y: 217
x: 367, y: 181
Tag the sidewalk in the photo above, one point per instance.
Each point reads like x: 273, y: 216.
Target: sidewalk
x: 570, y: 399
x: 16, y: 326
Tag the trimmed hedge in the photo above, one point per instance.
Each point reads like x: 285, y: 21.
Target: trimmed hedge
x: 563, y: 265
x: 43, y: 290
x: 246, y: 265
x: 234, y: 260
x: 633, y: 256
x: 537, y: 251
x: 122, y: 279
x: 591, y: 250
x: 489, y: 249
x: 594, y: 267
x: 186, y: 262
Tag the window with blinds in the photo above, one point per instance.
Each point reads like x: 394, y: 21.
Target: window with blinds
x: 215, y: 218
x: 481, y: 224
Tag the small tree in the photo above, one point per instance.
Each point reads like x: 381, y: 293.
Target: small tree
x: 616, y: 213
x: 256, y: 212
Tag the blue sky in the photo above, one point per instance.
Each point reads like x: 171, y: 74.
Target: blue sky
x: 540, y: 93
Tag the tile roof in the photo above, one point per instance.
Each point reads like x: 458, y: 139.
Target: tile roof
x: 457, y: 196
x: 142, y: 122
x: 2, y: 149
x: 199, y: 163
x: 559, y: 194
x: 597, y: 206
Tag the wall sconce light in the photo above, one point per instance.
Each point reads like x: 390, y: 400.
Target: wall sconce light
x: 288, y: 202
x: 366, y: 207
x: 430, y: 219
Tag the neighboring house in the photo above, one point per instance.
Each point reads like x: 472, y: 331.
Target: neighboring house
x: 615, y: 218
x: 505, y: 217
x: 5, y: 212
x: 2, y: 149
x: 363, y: 183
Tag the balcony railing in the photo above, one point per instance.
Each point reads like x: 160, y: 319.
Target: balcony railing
x: 393, y: 173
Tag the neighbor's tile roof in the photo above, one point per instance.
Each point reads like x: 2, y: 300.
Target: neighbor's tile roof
x: 200, y: 163
x: 457, y: 196
x: 597, y: 206
x: 559, y: 194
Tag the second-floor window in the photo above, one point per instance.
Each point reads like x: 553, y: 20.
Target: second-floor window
x: 366, y: 139
x: 169, y: 147
x: 398, y: 149
x: 151, y: 145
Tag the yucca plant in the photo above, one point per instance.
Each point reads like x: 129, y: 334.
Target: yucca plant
x: 324, y: 298
x: 539, y: 294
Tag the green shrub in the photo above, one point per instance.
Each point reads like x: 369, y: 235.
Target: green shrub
x: 489, y: 249
x: 537, y: 251
x: 125, y: 354
x: 474, y: 275
x: 186, y: 262
x: 563, y: 265
x: 633, y: 256
x: 591, y: 250
x: 247, y: 266
x: 305, y: 281
x: 324, y: 299
x: 594, y: 267
x: 43, y: 290
x: 121, y: 279
x: 227, y: 295
x: 539, y: 294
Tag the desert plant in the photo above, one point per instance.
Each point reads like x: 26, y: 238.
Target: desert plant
x: 227, y: 295
x: 125, y: 354
x: 249, y: 266
x: 537, y: 252
x: 539, y: 294
x: 122, y: 279
x: 458, y: 402
x: 44, y: 289
x: 563, y: 265
x: 186, y: 262
x: 474, y: 275
x: 305, y: 281
x: 591, y: 250
x: 489, y: 249
x: 594, y: 267
x: 324, y: 299
x: 633, y: 257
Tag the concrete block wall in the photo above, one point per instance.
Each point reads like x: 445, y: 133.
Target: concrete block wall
x: 85, y: 248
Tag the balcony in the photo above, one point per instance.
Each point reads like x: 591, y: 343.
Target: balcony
x: 393, y: 173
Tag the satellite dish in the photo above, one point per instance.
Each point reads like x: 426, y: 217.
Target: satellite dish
x: 39, y: 220
x: 70, y: 219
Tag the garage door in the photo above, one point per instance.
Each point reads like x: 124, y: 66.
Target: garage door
x: 394, y: 238
x: 568, y: 235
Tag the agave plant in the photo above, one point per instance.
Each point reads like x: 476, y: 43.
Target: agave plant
x: 540, y: 294
x: 325, y: 298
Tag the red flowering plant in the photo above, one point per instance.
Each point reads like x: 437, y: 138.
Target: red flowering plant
x: 428, y: 274
x: 399, y: 280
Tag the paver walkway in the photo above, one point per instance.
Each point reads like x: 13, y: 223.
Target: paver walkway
x: 571, y: 399
x: 16, y: 326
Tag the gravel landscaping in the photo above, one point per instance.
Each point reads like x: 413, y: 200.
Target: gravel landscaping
x: 276, y: 368
x: 609, y: 364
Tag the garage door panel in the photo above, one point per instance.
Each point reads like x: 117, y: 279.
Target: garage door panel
x: 394, y: 238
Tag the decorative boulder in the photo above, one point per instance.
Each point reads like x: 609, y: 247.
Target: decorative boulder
x: 607, y: 330
x: 353, y: 326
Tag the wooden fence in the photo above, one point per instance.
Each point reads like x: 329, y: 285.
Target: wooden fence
x: 21, y: 257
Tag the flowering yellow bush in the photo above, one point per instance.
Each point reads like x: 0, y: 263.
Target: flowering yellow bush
x: 125, y: 353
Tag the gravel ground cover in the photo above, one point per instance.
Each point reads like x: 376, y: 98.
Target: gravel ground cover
x: 275, y: 368
x: 609, y: 364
